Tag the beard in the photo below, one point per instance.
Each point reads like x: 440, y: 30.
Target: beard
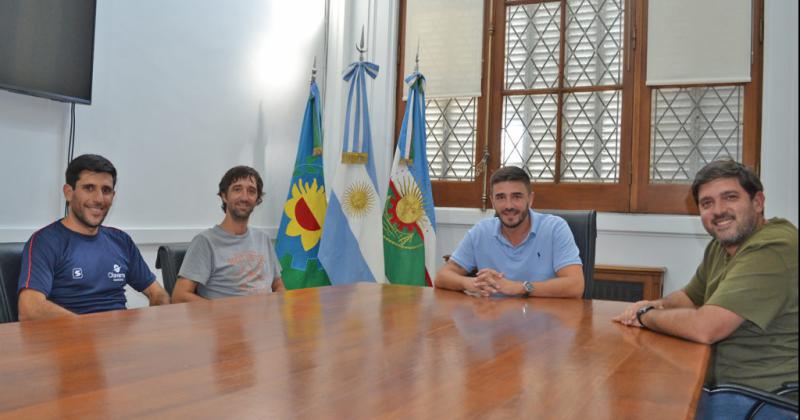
x: 79, y: 214
x: 523, y: 216
x: 241, y: 215
x: 743, y: 230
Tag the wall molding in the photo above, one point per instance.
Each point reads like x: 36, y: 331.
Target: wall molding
x: 614, y: 224
x: 140, y: 235
x: 627, y: 224
x: 617, y: 224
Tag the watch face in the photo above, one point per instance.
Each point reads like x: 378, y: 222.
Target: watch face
x: 528, y: 286
x: 643, y: 309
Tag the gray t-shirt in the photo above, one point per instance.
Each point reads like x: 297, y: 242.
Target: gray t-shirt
x: 231, y: 265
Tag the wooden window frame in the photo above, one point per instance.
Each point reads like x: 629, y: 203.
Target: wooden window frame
x: 633, y: 193
x: 677, y: 198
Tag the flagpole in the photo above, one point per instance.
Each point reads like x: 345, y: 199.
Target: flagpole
x: 416, y: 59
x: 314, y: 71
x: 360, y: 47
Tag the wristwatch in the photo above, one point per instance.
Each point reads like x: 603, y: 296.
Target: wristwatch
x: 528, y: 287
x: 641, y: 311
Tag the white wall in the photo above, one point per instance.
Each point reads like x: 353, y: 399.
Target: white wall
x: 185, y: 89
x: 779, y: 135
x: 182, y: 91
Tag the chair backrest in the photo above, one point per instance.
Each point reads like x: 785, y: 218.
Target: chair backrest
x: 169, y: 260
x: 583, y: 224
x: 10, y: 260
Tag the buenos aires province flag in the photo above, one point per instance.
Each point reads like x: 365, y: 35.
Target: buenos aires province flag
x: 297, y: 243
x: 351, y: 249
x: 409, y: 223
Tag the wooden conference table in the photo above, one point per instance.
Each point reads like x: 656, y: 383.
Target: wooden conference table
x: 360, y: 351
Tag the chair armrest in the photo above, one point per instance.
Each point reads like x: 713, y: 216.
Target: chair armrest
x: 786, y: 388
x: 775, y: 399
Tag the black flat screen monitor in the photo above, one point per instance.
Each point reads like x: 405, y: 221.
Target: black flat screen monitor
x: 47, y: 48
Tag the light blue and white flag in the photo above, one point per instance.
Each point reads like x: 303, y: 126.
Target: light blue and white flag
x: 351, y: 248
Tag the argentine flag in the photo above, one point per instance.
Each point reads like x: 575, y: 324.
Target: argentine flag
x: 351, y: 249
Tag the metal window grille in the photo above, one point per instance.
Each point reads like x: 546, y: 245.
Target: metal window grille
x: 451, y: 132
x: 691, y: 127
x: 590, y: 120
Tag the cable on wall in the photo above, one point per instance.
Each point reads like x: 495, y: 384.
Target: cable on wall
x: 71, y: 143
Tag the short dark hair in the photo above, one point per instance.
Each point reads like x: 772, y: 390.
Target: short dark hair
x: 511, y: 173
x: 92, y: 163
x: 727, y: 169
x: 236, y: 173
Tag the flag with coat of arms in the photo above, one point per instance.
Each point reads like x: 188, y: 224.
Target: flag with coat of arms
x: 300, y: 231
x: 409, y: 222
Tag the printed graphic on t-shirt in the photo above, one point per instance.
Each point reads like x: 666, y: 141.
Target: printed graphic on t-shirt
x: 116, y: 273
x: 249, y: 267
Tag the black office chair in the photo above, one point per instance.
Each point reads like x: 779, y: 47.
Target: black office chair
x: 169, y: 260
x: 10, y: 260
x: 583, y: 224
x: 779, y: 399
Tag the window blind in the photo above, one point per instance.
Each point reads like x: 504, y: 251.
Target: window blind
x: 450, y: 38
x: 698, y: 41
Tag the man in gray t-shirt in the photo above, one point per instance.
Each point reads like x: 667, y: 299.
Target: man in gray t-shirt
x: 231, y: 259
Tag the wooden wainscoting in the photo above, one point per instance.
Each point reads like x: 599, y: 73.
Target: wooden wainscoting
x: 627, y: 283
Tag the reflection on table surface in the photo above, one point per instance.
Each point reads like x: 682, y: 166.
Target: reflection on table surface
x: 355, y: 351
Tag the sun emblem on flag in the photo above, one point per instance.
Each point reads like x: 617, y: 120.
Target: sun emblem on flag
x: 404, y: 220
x: 306, y: 212
x: 408, y: 207
x: 358, y: 199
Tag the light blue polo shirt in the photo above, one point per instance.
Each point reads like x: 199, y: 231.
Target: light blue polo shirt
x: 548, y: 248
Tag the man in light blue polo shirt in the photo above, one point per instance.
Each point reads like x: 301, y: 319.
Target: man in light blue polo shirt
x: 519, y: 252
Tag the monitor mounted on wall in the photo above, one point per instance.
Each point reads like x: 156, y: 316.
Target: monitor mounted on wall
x: 47, y: 48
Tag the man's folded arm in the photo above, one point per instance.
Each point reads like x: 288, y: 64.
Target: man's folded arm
x: 185, y: 291
x: 567, y: 283
x: 451, y: 277
x: 33, y: 304
x: 676, y: 299
x: 156, y: 294
x: 706, y: 324
x: 454, y: 277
